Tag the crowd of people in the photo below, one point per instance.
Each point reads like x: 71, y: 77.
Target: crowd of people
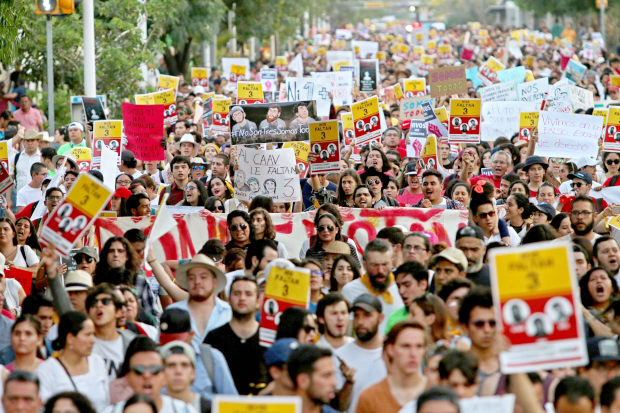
x: 403, y: 323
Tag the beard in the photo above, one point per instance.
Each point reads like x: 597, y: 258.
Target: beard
x: 377, y: 285
x: 586, y: 230
x: 272, y: 118
x: 200, y: 297
x: 365, y: 336
x: 242, y: 315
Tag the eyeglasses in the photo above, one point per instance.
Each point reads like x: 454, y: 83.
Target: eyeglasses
x: 309, y: 329
x: 240, y: 226
x: 104, y: 301
x: 416, y: 248
x: 373, y: 181
x: 485, y: 215
x: 54, y: 198
x: 612, y: 162
x: 124, y: 182
x: 190, y: 188
x: 329, y: 228
x: 140, y: 369
x: 218, y: 208
x: 81, y: 258
x: 481, y: 323
x: 576, y: 184
x: 198, y: 167
x: 579, y: 213
x: 317, y: 273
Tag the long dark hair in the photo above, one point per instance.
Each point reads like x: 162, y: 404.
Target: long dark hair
x: 80, y: 401
x: 70, y: 322
x: 586, y: 297
x: 202, y: 193
x: 32, y: 241
x: 210, y: 193
x: 291, y: 321
x: 355, y: 267
x: 316, y: 241
x: 12, y: 225
x: 133, y: 261
x: 341, y: 198
x: 270, y: 232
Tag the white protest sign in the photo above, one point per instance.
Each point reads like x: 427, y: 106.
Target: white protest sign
x: 580, y: 98
x: 499, y: 92
x: 229, y: 62
x: 108, y: 166
x: 307, y: 88
x: 502, y: 118
x: 334, y: 56
x: 340, y: 84
x: 268, y: 78
x: 365, y: 50
x: 533, y: 91
x: 611, y: 194
x: 558, y: 98
x: 567, y: 135
x: 297, y: 65
x: 270, y: 173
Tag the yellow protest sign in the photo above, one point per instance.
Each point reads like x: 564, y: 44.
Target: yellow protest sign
x: 527, y: 122
x: 107, y: 128
x: 237, y: 73
x: 366, y: 120
x: 442, y: 114
x: 611, y: 133
x: 338, y: 65
x: 200, y: 76
x: 301, y: 149
x: 427, y: 60
x: 381, y: 56
x: 168, y: 82
x: 4, y: 154
x: 325, y: 147
x: 249, y: 92
x: 415, y: 87
x: 483, y: 33
x: 145, y: 99
x: 614, y: 80
x: 464, y: 124
x: 398, y: 92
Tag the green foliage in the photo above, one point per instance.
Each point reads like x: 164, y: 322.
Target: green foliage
x: 12, y: 19
x: 557, y: 7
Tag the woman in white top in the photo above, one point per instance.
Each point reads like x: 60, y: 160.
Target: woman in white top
x: 16, y: 255
x: 75, y: 368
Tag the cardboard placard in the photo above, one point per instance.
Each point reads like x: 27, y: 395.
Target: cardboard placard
x: 249, y: 93
x: 446, y: 81
x: 568, y: 135
x: 324, y: 144
x: 220, y: 114
x: 536, y: 297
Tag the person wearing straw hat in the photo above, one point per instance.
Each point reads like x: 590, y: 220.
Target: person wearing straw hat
x: 24, y: 159
x: 187, y: 145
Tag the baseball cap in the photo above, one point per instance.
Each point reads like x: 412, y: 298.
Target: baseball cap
x: 78, y: 280
x: 585, y: 161
x: 178, y: 347
x: 411, y: 168
x: 77, y: 125
x: 367, y: 302
x: 279, y: 351
x: 546, y: 209
x: 454, y: 255
x: 584, y: 176
x: 174, y: 325
x: 88, y: 251
x: 127, y: 156
x: 472, y: 231
x: 603, y: 349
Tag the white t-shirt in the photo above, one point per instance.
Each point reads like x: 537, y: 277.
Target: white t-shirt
x: 112, y: 353
x: 515, y: 239
x: 322, y: 342
x: 27, y: 195
x: 355, y: 288
x: 94, y: 384
x: 31, y: 257
x: 11, y: 294
x: 369, y: 368
x: 169, y: 405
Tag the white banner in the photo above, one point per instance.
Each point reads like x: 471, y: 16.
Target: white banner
x: 502, y: 118
x: 533, y: 91
x: 567, y: 135
x: 499, y: 92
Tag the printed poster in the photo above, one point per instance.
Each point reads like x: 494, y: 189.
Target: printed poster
x: 200, y: 77
x: 144, y: 128
x: 368, y: 75
x: 83, y: 157
x: 256, y: 404
x: 536, y: 296
x: 165, y: 82
x: 527, y: 122
x: 284, y: 289
x: 267, y: 172
x: 271, y: 122
x: 612, y: 131
x: 93, y: 109
x: 366, y: 120
x: 414, y: 87
x: 417, y: 138
x: 302, y: 149
x: 488, y: 72
x: 249, y: 93
x: 106, y: 133
x: 428, y: 157
x: 325, y: 146
x: 235, y: 69
x: 464, y: 120
x: 220, y: 114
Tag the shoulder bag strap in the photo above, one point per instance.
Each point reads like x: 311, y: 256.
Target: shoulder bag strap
x: 68, y: 375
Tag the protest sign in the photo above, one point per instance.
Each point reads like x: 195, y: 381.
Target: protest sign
x: 235, y: 68
x: 428, y: 157
x: 533, y: 91
x: 220, y: 114
x: 285, y: 288
x: 446, y: 81
x: 502, y: 118
x: 365, y: 49
x: 558, y: 98
x: 414, y: 87
x: 527, y: 122
x: 434, y: 125
x: 168, y: 99
x: 168, y: 82
x: 204, y: 116
x: 411, y: 108
x: 72, y: 217
x: 281, y: 64
x: 536, y: 296
x: 306, y: 88
x: 417, y: 138
x: 444, y: 54
x: 464, y: 120
x: 144, y: 128
x: 442, y: 116
x: 575, y: 71
x: 4, y: 155
x: 93, y: 109
x: 488, y: 72
x: 602, y: 113
x: 580, y: 98
x: 302, y: 149
x: 200, y: 76
x: 22, y: 275
x: 83, y: 157
x: 106, y: 133
x: 614, y: 80
x: 347, y: 127
x: 515, y: 74
x: 344, y: 57
x: 271, y: 122
x: 257, y: 404
x: 6, y: 180
x: 426, y: 63
x: 368, y: 75
x: 270, y: 173
x: 325, y: 146
x: 612, y: 131
x: 249, y: 93
x: 339, y: 83
x: 502, y: 92
x: 268, y: 78
x: 567, y: 135
x: 366, y: 120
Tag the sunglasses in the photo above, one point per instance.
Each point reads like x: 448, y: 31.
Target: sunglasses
x: 308, y: 328
x: 219, y: 208
x: 316, y: 273
x: 190, y: 188
x: 139, y: 369
x: 481, y: 323
x: 576, y: 184
x: 240, y: 226
x: 373, y: 181
x: 329, y: 228
x: 485, y: 215
x: 612, y: 161
x: 104, y: 301
x: 81, y: 258
x: 198, y: 167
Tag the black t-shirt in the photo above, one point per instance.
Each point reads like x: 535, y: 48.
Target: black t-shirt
x: 482, y: 277
x: 244, y: 358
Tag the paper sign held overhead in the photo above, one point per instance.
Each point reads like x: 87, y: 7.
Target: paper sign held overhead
x: 567, y: 135
x: 324, y: 145
x: 464, y: 120
x: 144, y: 128
x: 446, y: 81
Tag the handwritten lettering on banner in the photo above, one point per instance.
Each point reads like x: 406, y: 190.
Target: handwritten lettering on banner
x: 567, y: 135
x: 270, y: 173
x: 411, y: 108
x: 362, y: 225
x: 533, y: 91
x: 499, y: 92
x: 144, y: 128
x: 502, y: 118
x: 447, y: 81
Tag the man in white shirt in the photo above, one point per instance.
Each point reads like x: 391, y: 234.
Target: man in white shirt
x: 32, y: 191
x: 24, y: 159
x: 378, y: 280
x: 364, y: 354
x: 332, y: 312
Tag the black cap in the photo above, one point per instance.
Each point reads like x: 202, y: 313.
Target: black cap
x: 472, y: 231
x: 603, y: 349
x: 367, y: 302
x: 546, y: 209
x: 584, y: 176
x: 175, y: 321
x: 411, y: 168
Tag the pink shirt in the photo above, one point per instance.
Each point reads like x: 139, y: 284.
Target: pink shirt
x: 30, y: 120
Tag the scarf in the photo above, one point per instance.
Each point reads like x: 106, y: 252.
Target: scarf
x: 387, y: 297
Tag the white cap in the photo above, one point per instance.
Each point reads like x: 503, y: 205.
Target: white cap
x: 585, y: 161
x: 77, y: 125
